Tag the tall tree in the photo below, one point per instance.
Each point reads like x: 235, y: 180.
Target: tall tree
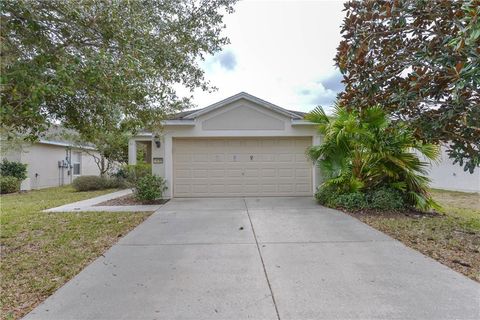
x: 420, y: 60
x: 78, y: 62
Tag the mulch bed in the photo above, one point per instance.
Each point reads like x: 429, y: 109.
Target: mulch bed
x: 433, y: 234
x: 130, y: 200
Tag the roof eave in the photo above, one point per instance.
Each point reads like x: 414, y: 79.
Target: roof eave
x: 179, y: 122
x: 301, y: 122
x: 243, y: 95
x: 65, y: 144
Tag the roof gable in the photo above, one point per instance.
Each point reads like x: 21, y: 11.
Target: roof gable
x: 189, y: 115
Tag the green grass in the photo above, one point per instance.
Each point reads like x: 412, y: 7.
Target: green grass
x: 459, y: 204
x: 41, y: 251
x: 453, y: 237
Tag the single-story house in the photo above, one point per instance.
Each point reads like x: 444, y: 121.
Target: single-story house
x: 240, y: 146
x: 246, y: 146
x: 52, y: 163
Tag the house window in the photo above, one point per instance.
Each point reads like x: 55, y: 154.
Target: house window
x: 77, y: 163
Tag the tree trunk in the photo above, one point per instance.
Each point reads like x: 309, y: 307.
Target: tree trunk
x: 103, y: 169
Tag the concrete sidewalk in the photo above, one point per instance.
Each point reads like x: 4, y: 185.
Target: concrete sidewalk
x: 91, y: 204
x: 261, y: 258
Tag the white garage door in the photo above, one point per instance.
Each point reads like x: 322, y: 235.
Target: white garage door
x: 241, y: 167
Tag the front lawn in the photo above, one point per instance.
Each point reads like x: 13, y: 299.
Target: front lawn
x: 41, y: 251
x: 452, y: 237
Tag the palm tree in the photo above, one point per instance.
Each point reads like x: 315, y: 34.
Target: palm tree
x: 364, y: 150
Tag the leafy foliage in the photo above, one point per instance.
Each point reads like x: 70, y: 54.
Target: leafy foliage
x: 150, y: 188
x: 364, y: 150
x: 386, y: 199
x: 90, y: 183
x: 13, y: 169
x: 351, y: 201
x: 421, y: 61
x: 327, y: 195
x: 110, y: 146
x: 133, y: 172
x: 382, y: 198
x: 85, y: 63
x: 9, y: 184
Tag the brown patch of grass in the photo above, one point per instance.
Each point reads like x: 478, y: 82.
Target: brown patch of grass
x: 42, y: 251
x: 451, y: 237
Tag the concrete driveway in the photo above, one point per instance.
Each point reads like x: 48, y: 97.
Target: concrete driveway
x: 261, y: 258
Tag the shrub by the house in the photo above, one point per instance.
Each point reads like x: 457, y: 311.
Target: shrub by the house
x: 327, y: 196
x: 9, y: 184
x: 351, y: 201
x: 89, y: 183
x: 132, y: 173
x: 386, y: 199
x: 11, y: 175
x: 13, y: 169
x: 150, y: 188
x: 370, y: 162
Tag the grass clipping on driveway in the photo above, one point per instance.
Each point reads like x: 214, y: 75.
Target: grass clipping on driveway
x: 41, y: 251
x: 451, y: 237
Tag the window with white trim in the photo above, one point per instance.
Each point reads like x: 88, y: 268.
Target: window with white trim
x: 77, y: 163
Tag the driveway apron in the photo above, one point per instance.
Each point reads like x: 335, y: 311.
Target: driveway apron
x: 260, y: 258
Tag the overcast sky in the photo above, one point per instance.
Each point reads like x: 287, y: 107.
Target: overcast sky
x: 280, y: 51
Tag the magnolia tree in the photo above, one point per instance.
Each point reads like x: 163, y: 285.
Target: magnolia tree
x: 82, y: 63
x: 420, y: 60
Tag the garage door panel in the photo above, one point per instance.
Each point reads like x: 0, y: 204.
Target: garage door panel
x: 217, y: 173
x: 217, y: 157
x: 302, y: 173
x: 268, y: 173
x: 233, y: 188
x: 286, y: 173
x: 200, y: 188
x: 285, y: 157
x: 183, y: 173
x: 302, y: 188
x: 241, y: 167
x: 268, y: 188
x: 252, y: 188
x: 251, y: 172
x: 301, y: 157
x: 216, y: 188
x: 200, y: 173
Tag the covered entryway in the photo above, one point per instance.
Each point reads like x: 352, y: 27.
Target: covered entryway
x: 226, y: 167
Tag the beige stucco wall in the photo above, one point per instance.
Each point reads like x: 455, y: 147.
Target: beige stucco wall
x: 42, y: 165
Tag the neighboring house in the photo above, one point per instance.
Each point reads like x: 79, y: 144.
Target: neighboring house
x: 53, y: 163
x: 245, y: 146
x: 449, y: 176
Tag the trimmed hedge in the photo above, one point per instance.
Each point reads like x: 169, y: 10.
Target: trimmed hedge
x: 9, y: 184
x: 89, y: 183
x: 382, y: 198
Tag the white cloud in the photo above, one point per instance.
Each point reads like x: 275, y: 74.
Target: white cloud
x: 225, y: 59
x: 278, y: 50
